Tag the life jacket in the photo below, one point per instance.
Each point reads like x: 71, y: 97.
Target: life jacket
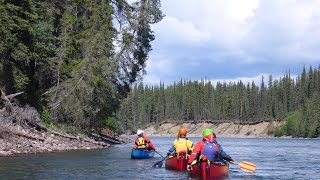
x: 210, y: 150
x: 180, y: 145
x: 140, y: 142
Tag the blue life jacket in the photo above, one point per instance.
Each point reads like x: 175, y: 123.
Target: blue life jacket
x: 210, y: 150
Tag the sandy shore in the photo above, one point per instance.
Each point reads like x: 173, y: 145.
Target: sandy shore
x: 261, y: 130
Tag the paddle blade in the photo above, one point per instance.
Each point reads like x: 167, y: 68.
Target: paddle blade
x: 158, y: 164
x: 248, y: 167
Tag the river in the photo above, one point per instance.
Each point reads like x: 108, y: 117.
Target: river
x: 275, y: 159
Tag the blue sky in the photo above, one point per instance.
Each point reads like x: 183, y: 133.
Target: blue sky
x: 231, y: 40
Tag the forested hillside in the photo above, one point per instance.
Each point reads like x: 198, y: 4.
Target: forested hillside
x: 74, y: 60
x: 295, y: 99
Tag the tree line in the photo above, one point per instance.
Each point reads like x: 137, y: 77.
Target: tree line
x: 74, y: 59
x: 295, y: 99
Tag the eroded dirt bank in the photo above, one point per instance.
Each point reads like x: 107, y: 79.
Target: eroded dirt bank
x: 260, y: 130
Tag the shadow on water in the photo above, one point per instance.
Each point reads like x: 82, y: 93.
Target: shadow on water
x: 275, y: 159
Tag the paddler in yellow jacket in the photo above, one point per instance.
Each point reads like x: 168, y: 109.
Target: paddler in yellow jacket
x: 143, y: 142
x: 181, y: 145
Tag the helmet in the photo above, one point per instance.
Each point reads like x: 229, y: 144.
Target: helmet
x: 182, y: 132
x: 139, y: 132
x: 207, y: 132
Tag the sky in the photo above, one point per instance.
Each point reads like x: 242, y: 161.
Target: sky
x: 232, y: 40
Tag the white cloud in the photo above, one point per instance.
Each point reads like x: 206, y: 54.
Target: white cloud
x: 223, y: 22
x: 157, y: 67
x: 245, y: 80
x: 175, y: 31
x: 251, y: 33
x: 282, y: 29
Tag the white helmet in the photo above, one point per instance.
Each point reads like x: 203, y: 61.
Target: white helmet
x: 139, y: 132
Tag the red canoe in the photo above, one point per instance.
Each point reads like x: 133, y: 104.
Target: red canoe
x: 213, y: 171
x: 178, y: 163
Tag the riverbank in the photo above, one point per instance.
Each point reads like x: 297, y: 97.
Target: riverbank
x: 16, y: 140
x: 260, y: 130
x: 22, y: 132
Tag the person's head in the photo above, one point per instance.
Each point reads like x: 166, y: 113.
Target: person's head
x: 207, y: 132
x: 182, y: 132
x: 140, y: 132
x: 208, y: 135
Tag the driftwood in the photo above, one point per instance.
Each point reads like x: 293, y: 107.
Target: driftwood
x: 105, y: 138
x: 29, y: 136
x: 8, y: 131
x: 14, y: 95
x: 5, y: 104
x: 41, y: 127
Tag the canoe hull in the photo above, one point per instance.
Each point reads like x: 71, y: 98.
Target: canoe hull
x: 141, y: 154
x: 213, y: 171
x: 176, y: 163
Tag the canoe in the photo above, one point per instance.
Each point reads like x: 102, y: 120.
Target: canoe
x: 203, y: 170
x: 141, y: 154
x: 178, y: 163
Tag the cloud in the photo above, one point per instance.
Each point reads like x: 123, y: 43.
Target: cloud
x: 234, y: 39
x: 245, y: 80
x: 286, y: 34
x: 174, y: 31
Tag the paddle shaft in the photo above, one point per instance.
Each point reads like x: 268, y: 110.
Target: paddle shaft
x: 159, y: 154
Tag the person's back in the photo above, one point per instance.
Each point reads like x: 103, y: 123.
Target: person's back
x: 143, y: 142
x: 181, y: 145
x: 208, y: 149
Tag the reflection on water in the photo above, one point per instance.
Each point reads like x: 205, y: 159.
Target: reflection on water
x: 275, y: 159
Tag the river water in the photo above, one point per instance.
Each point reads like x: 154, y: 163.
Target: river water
x: 275, y: 159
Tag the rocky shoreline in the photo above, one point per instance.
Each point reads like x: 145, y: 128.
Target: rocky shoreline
x: 16, y: 140
x: 22, y: 132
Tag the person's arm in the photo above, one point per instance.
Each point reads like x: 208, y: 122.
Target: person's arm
x: 149, y: 143
x: 196, y: 150
x: 224, y: 155
x: 189, y: 146
x: 135, y: 142
x: 171, y: 151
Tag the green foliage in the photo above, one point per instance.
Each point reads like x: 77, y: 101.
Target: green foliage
x: 21, y: 81
x: 303, y: 122
x: 46, y: 119
x: 45, y: 116
x: 78, y: 58
x: 291, y: 128
x: 234, y: 102
x: 111, y: 124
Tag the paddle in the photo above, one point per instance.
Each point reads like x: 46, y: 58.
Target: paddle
x: 246, y: 166
x: 159, y: 154
x: 159, y: 163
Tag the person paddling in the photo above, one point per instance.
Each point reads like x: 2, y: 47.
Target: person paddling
x: 208, y: 149
x: 143, y: 142
x: 181, y: 145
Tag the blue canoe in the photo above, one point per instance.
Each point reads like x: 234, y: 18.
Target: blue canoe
x: 141, y: 154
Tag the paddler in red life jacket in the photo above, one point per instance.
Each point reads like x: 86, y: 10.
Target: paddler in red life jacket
x: 143, y: 142
x: 181, y: 145
x: 208, y: 149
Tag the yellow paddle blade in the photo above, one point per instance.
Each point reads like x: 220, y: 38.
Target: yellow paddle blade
x: 248, y: 167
